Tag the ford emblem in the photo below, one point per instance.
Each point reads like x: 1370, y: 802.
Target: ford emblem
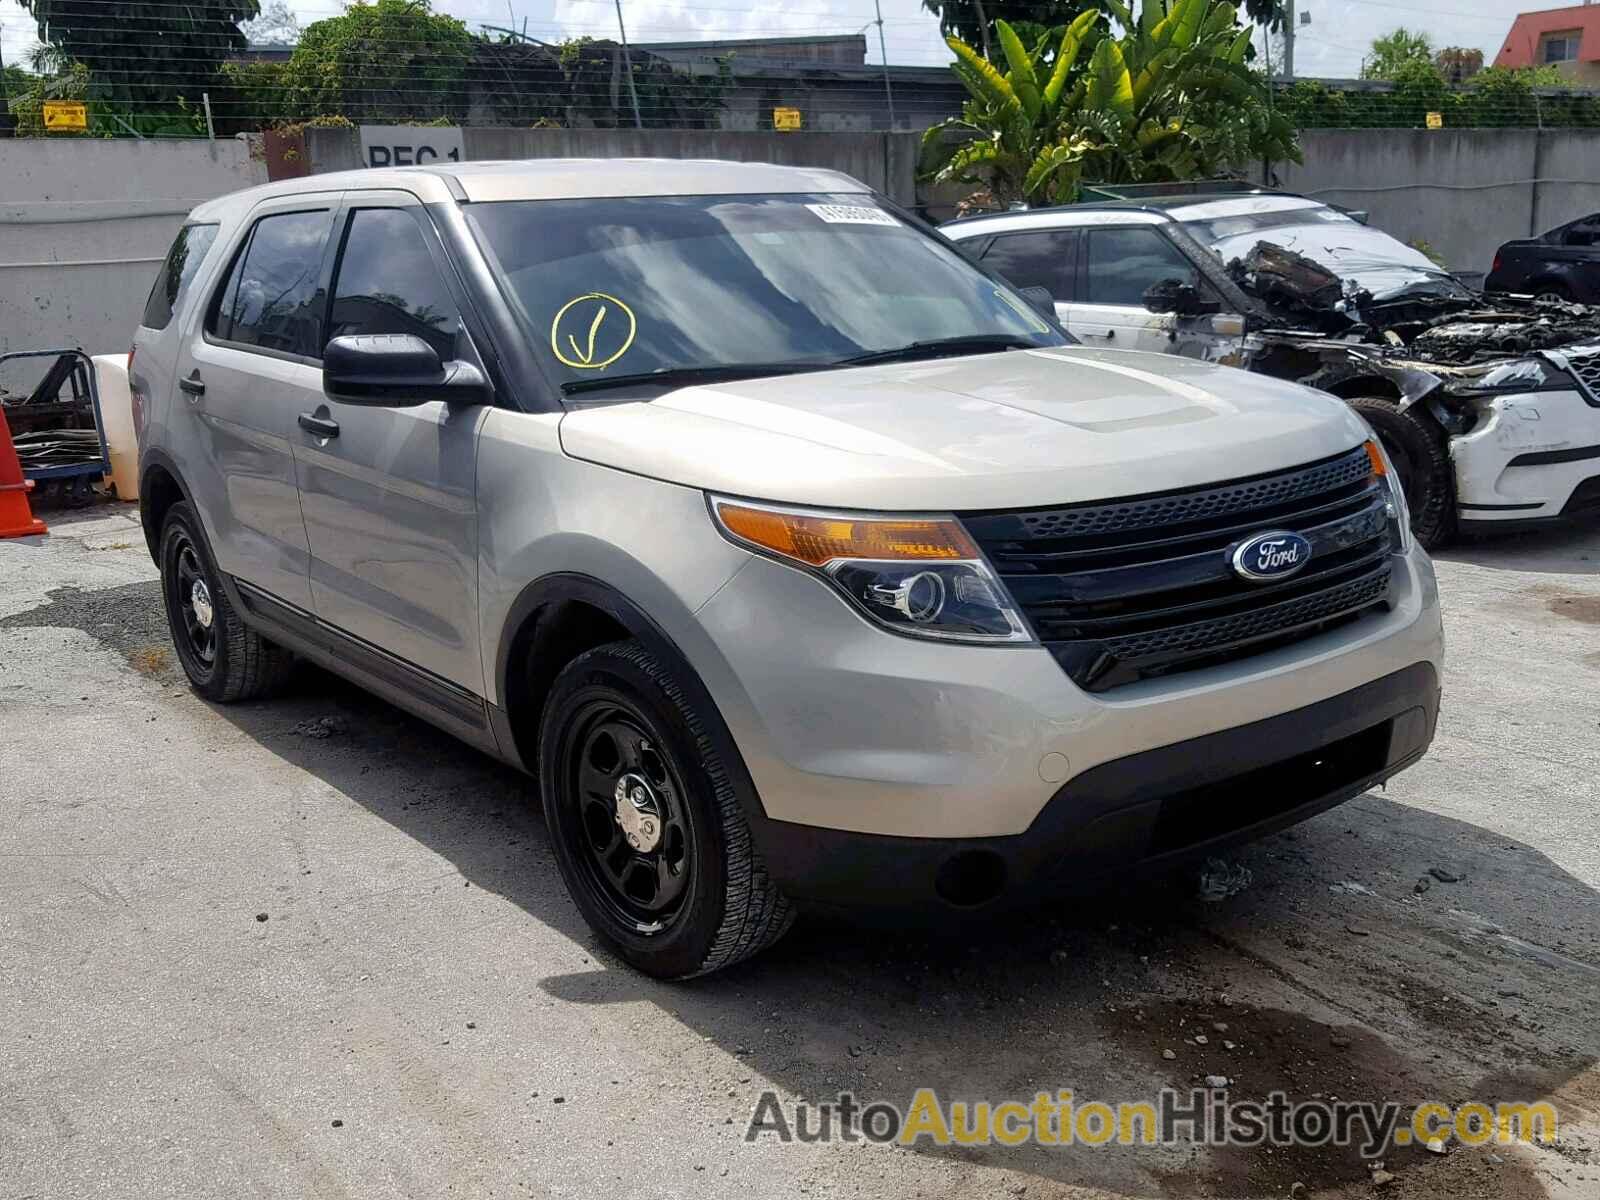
x: 1268, y: 556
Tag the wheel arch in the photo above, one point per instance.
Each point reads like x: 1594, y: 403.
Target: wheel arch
x: 160, y: 487
x: 552, y: 621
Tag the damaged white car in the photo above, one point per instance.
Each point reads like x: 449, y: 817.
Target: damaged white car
x: 1489, y: 407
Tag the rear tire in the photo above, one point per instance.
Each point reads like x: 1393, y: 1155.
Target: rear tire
x: 1420, y: 452
x: 620, y: 743
x: 225, y: 660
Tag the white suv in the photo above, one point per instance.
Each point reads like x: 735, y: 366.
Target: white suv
x: 1490, y: 410
x: 798, y: 558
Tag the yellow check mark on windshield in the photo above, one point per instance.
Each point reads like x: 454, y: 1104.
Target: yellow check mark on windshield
x: 594, y: 328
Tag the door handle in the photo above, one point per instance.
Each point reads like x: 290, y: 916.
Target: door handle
x: 192, y: 385
x: 321, y: 426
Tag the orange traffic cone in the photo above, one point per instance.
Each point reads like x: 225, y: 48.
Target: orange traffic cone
x: 16, y: 519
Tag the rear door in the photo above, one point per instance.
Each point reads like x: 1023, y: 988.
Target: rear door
x: 248, y: 365
x: 390, y: 499
x: 1117, y: 264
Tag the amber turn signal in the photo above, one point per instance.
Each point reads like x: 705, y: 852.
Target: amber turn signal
x: 1375, y: 457
x: 818, y: 540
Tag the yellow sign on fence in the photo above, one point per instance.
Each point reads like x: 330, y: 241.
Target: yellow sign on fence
x: 65, y: 114
x: 1435, y: 120
x: 787, y: 118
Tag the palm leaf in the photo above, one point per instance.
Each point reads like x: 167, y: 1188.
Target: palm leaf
x: 994, y: 86
x: 1110, y: 90
x: 1023, y: 80
x: 1071, y: 43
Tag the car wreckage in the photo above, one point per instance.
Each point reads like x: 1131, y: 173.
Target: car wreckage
x: 1489, y: 406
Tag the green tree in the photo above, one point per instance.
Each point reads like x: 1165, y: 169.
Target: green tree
x: 973, y: 21
x: 1394, y: 53
x: 144, y: 53
x: 392, y: 60
x: 1169, y: 99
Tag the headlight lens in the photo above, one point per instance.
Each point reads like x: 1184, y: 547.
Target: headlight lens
x: 1518, y: 375
x: 1399, y: 513
x: 919, y: 576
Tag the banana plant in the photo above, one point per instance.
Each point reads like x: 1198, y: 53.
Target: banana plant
x: 1170, y: 98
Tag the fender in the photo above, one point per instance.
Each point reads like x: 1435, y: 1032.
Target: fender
x: 520, y: 634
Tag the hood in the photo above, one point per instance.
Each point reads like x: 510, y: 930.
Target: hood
x: 1369, y: 258
x: 1010, y: 430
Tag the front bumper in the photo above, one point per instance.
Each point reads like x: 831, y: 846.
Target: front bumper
x: 1143, y: 812
x: 1533, y: 456
x: 844, y: 726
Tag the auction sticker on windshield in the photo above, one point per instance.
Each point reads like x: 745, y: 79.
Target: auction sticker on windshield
x: 853, y: 214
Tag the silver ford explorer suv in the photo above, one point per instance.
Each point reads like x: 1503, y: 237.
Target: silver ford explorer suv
x: 798, y: 558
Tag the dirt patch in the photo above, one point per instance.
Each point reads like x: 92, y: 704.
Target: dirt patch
x: 151, y: 660
x: 1577, y: 608
x: 1263, y: 1051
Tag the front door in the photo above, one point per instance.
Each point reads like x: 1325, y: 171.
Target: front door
x: 1118, y: 264
x: 389, y: 497
x: 249, y: 363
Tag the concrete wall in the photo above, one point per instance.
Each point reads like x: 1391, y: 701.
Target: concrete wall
x: 1461, y: 191
x: 84, y: 224
x: 886, y: 161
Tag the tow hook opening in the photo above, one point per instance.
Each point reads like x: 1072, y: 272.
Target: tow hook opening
x: 971, y: 878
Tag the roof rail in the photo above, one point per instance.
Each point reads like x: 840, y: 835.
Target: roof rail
x: 1187, y: 187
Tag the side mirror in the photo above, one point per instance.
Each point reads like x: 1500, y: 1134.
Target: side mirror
x: 1041, y: 299
x: 1183, y: 299
x: 396, y: 370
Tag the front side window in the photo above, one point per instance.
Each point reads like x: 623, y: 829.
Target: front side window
x: 1042, y: 258
x: 273, y: 298
x: 642, y: 284
x: 1124, y: 263
x: 389, y: 283
x: 177, y: 272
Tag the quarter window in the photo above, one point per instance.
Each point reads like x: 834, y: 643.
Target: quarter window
x: 177, y: 272
x: 273, y: 298
x: 1124, y: 262
x: 1040, y: 259
x: 389, y: 283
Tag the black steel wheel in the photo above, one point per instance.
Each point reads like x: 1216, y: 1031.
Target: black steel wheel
x: 224, y: 659
x: 197, y: 614
x: 646, y: 811
x: 635, y: 830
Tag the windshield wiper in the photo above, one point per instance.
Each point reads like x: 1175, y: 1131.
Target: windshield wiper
x: 976, y: 343
x: 684, y: 376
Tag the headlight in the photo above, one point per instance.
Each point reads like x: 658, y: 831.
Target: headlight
x: 1399, y: 513
x: 1518, y: 375
x: 921, y: 576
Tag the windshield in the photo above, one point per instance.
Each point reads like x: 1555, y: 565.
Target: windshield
x: 636, y: 285
x: 1367, y: 257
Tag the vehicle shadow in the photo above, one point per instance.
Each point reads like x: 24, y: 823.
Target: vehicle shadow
x: 1572, y: 548
x: 1330, y: 975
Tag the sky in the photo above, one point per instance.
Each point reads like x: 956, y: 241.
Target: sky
x: 1331, y: 45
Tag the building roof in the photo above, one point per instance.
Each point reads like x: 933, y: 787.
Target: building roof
x: 1521, y: 48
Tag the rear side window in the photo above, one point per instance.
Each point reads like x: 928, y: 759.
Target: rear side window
x: 182, y: 261
x: 273, y: 298
x: 389, y: 283
x: 1043, y: 258
x: 1124, y: 262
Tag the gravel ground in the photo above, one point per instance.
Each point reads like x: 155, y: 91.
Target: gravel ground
x: 308, y: 947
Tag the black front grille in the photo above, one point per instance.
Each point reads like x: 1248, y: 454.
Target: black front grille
x: 1140, y: 587
x: 1585, y: 365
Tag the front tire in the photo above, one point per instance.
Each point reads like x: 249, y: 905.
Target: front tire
x: 1420, y: 452
x: 224, y: 659
x: 647, y: 820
